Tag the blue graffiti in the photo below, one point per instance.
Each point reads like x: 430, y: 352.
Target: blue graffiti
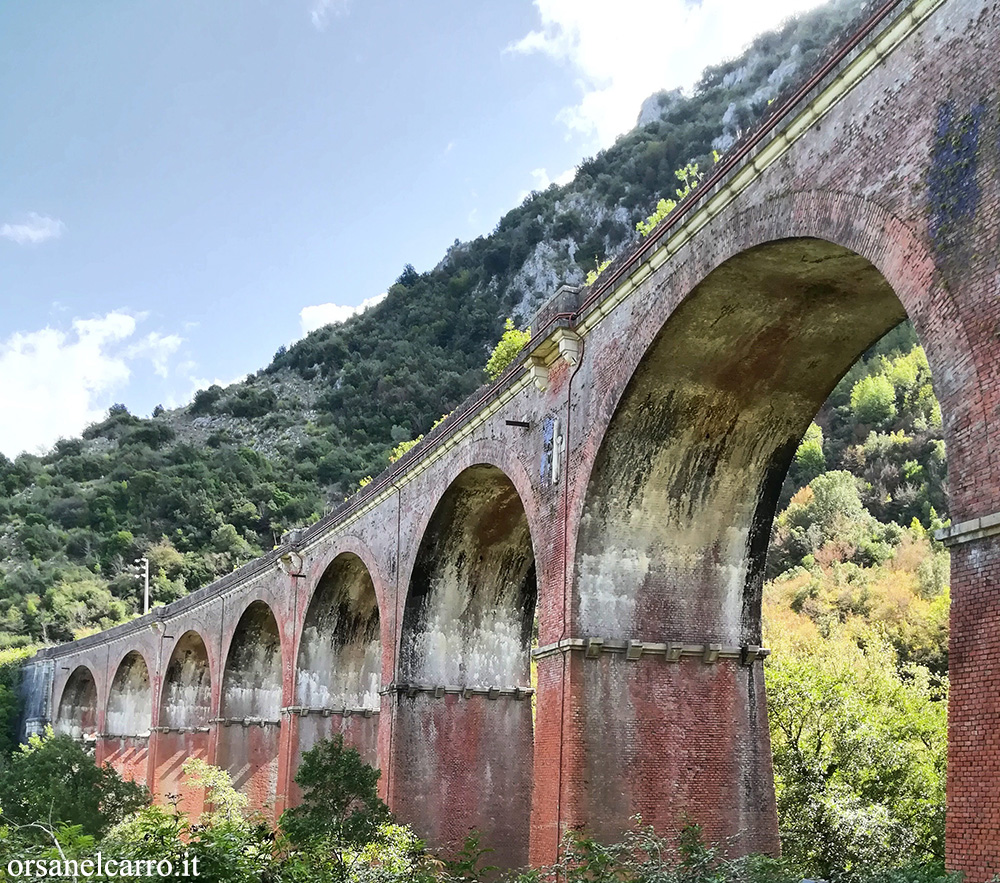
x: 951, y: 181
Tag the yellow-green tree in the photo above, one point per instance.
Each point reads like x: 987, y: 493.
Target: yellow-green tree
x: 506, y: 350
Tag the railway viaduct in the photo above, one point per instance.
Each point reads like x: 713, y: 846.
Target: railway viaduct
x: 604, y: 508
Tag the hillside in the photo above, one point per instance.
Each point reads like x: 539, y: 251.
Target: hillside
x: 204, y: 488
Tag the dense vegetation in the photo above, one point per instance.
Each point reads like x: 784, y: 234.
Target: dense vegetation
x: 58, y: 806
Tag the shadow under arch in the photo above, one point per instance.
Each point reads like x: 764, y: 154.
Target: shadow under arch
x: 76, y: 715
x: 463, y: 733
x: 250, y: 708
x: 339, y: 666
x: 675, y: 525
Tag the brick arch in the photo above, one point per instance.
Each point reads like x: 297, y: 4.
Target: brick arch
x: 483, y: 499
x: 462, y: 732
x: 76, y: 714
x: 186, y: 692
x: 481, y: 452
x: 340, y: 627
x: 250, y: 703
x: 725, y: 356
x: 129, y: 707
x: 252, y: 667
x: 338, y: 545
x: 851, y: 221
x: 340, y: 655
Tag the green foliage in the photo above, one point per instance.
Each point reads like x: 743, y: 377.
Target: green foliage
x: 874, y: 400
x: 829, y: 517
x: 53, y: 779
x: 11, y: 660
x: 510, y: 344
x: 593, y: 274
x: 403, y: 447
x: 809, y: 457
x: 228, y: 806
x: 859, y: 757
x: 690, y: 177
x: 340, y: 804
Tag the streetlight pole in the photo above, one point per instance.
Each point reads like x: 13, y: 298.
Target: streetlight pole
x: 145, y: 596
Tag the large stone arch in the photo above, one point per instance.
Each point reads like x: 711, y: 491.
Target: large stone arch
x: 338, y: 675
x: 76, y: 714
x: 463, y: 723
x: 250, y: 704
x: 745, y: 335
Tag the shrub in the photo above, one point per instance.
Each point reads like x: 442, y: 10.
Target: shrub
x: 340, y: 805
x: 53, y: 779
x: 506, y: 350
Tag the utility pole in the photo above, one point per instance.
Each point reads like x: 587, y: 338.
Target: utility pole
x: 145, y: 596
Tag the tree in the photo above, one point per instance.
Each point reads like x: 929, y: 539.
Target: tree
x: 859, y: 757
x: 873, y: 400
x: 809, y: 457
x: 339, y: 801
x: 510, y: 344
x: 53, y: 779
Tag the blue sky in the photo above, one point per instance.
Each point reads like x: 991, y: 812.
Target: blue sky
x: 186, y: 186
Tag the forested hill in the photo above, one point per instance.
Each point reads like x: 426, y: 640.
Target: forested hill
x: 202, y: 489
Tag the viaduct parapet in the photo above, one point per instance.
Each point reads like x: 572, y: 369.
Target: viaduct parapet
x: 547, y: 615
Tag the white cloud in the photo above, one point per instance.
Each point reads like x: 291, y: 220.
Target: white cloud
x: 319, y: 315
x: 36, y: 229
x: 321, y: 11
x: 644, y: 46
x: 542, y: 181
x: 158, y: 348
x: 53, y: 382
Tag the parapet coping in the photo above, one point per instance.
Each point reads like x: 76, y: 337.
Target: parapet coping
x: 671, y: 651
x: 969, y: 531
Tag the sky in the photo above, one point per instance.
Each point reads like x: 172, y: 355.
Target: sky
x: 186, y: 186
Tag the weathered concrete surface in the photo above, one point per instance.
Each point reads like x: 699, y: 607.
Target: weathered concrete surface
x: 461, y: 761
x: 617, y: 485
x: 184, y: 722
x: 251, y: 705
